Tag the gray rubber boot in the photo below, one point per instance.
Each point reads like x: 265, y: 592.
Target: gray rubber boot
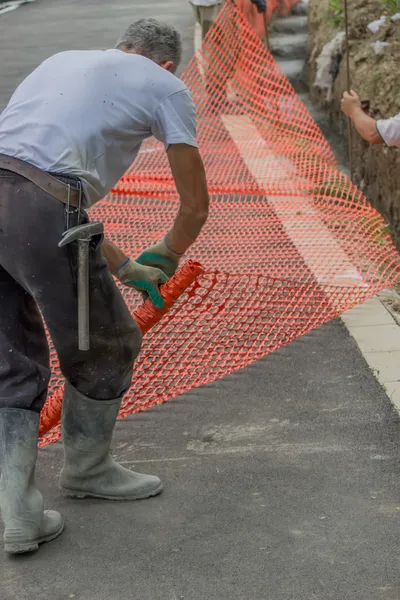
x: 26, y: 523
x: 89, y: 470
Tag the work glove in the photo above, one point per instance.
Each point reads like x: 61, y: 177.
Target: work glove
x: 261, y: 5
x: 161, y: 257
x: 144, y: 279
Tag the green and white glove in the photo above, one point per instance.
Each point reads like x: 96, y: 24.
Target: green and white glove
x: 144, y: 279
x: 161, y: 257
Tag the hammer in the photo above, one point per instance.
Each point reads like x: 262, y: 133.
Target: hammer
x: 82, y: 234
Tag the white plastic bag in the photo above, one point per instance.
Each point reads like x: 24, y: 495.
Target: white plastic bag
x: 375, y: 26
x: 379, y: 46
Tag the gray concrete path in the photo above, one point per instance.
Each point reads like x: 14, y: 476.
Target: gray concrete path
x: 281, y: 481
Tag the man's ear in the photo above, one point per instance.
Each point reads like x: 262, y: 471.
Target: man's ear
x: 167, y: 65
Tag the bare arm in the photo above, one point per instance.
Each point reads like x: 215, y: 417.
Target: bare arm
x: 365, y: 125
x: 188, y: 172
x: 190, y: 179
x: 113, y: 255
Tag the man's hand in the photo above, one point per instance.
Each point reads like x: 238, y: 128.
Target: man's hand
x: 351, y: 104
x: 365, y: 125
x: 144, y: 279
x: 161, y: 257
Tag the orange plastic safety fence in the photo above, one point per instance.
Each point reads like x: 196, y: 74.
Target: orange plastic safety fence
x: 290, y: 242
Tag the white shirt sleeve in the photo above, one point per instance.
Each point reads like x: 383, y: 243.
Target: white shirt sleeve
x: 389, y: 130
x: 175, y: 120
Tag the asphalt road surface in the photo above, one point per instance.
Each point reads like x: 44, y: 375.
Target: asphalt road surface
x: 281, y: 481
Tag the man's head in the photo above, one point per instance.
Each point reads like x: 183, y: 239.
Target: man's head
x: 155, y: 40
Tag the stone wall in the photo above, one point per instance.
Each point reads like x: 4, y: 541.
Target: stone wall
x: 377, y: 79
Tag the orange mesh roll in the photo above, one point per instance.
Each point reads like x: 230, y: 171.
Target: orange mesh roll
x: 146, y: 316
x: 290, y: 242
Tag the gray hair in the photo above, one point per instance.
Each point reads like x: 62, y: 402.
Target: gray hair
x: 151, y: 38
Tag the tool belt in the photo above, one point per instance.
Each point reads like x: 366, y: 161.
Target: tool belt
x: 51, y: 185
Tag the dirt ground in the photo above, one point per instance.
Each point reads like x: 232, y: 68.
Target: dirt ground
x: 377, y: 79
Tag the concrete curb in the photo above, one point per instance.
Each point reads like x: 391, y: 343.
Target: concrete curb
x: 375, y: 327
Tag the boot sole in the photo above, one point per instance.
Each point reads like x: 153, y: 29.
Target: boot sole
x: 13, y: 548
x: 81, y: 495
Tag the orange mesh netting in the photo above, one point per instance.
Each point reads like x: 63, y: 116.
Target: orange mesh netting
x: 290, y: 242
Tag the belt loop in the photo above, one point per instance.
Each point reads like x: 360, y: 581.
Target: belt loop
x: 79, y: 198
x: 68, y: 203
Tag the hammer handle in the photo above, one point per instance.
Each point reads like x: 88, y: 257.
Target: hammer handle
x: 83, y: 295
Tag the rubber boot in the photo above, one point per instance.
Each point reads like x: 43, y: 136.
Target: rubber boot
x: 89, y: 470
x: 26, y: 523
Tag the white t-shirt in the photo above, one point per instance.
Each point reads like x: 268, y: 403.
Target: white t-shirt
x: 389, y: 130
x: 86, y: 113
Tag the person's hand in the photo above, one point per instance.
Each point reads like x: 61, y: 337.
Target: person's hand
x: 161, y: 257
x: 144, y: 279
x: 350, y: 103
x: 261, y: 5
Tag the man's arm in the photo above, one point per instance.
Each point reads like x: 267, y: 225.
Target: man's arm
x: 365, y: 125
x: 175, y: 125
x: 190, y: 180
x: 113, y: 255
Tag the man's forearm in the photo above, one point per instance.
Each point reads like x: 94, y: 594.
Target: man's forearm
x: 187, y: 226
x: 113, y: 255
x: 366, y: 126
x: 188, y: 171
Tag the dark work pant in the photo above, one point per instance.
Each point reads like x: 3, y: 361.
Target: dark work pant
x: 38, y: 277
